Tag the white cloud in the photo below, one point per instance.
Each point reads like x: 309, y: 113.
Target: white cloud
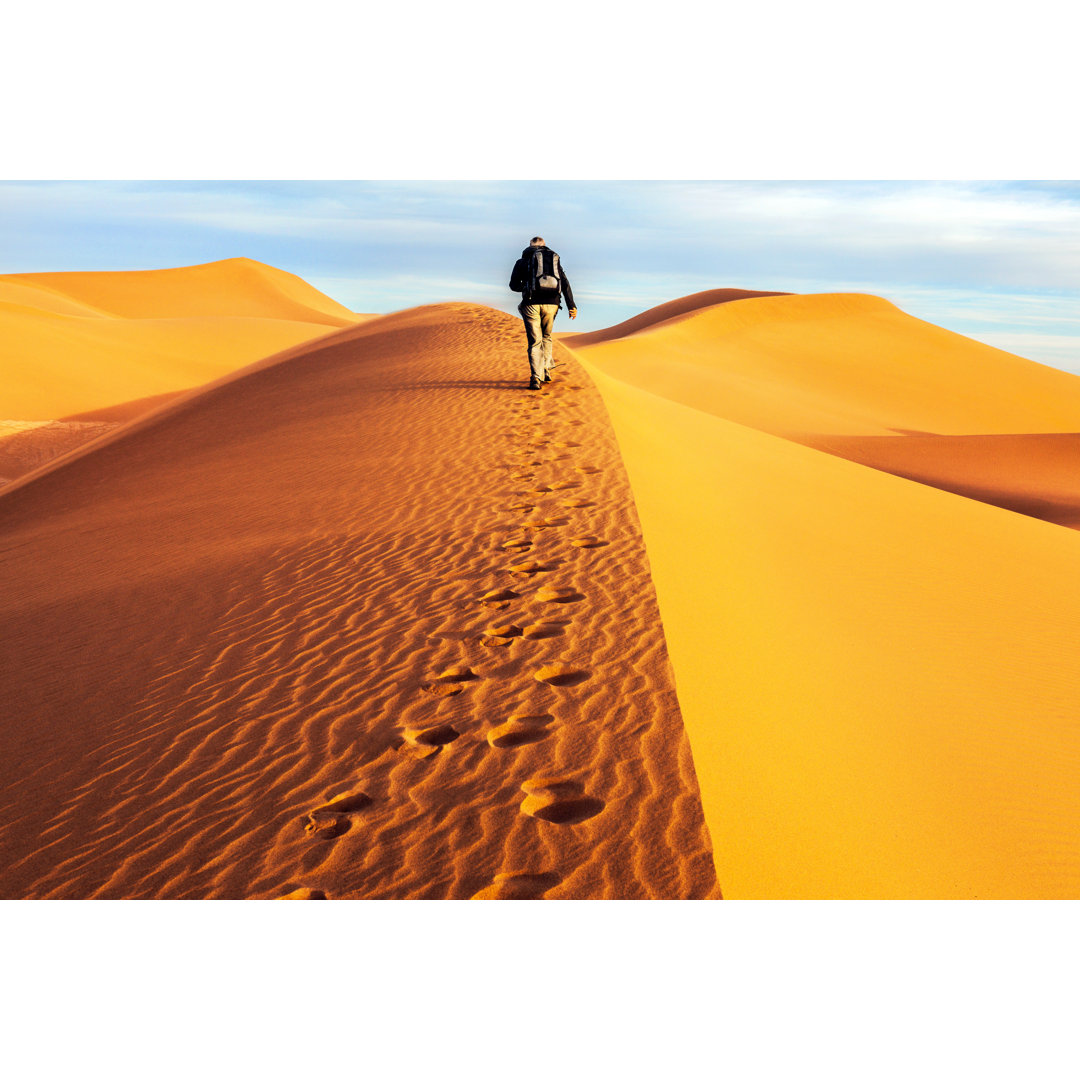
x: 1055, y: 350
x: 985, y: 232
x: 979, y: 258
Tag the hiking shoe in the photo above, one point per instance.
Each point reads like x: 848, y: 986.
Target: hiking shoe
x: 534, y: 384
x: 547, y: 376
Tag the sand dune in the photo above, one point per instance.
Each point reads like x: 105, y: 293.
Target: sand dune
x: 367, y: 619
x: 75, y: 342
x: 841, y: 364
x: 878, y: 675
x: 1035, y: 475
x: 84, y: 349
x: 363, y: 620
x: 231, y: 288
x: 662, y: 314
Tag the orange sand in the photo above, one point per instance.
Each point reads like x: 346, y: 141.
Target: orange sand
x: 77, y: 342
x: 96, y: 348
x: 364, y: 619
x: 879, y: 676
x: 367, y: 619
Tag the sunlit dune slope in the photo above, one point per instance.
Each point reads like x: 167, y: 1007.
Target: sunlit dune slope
x: 230, y: 287
x: 879, y: 677
x: 366, y: 619
x: 840, y: 364
x: 79, y: 342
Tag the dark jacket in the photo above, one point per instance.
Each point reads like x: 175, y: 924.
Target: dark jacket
x: 519, y: 282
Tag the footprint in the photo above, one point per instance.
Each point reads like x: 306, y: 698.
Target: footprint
x: 567, y: 445
x: 562, y: 485
x: 308, y: 894
x: 518, y: 887
x: 499, y: 636
x: 331, y: 819
x: 528, y: 569
x: 540, y: 630
x: 498, y: 598
x: 588, y: 542
x: 554, y: 594
x: 520, y: 730
x: 438, y: 736
x: 449, y: 682
x: 523, y: 508
x: 522, y: 476
x: 545, y: 523
x: 561, y: 675
x: 457, y: 673
x: 347, y: 802
x: 439, y: 689
x: 517, y: 543
x: 558, y: 800
x: 324, y: 825
x: 418, y: 750
x: 588, y: 470
x: 543, y: 489
x: 576, y: 504
x: 576, y: 423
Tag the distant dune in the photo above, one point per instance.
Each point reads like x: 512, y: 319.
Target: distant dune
x: 879, y: 676
x: 662, y: 314
x: 81, y: 347
x: 360, y: 616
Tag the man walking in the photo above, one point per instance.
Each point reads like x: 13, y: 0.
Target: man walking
x: 539, y: 277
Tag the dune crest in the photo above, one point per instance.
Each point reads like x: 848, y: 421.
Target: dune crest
x: 665, y: 313
x: 230, y: 287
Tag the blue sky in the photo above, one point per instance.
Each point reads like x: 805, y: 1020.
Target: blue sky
x: 999, y: 261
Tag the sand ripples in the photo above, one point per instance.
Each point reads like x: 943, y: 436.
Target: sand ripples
x: 280, y: 680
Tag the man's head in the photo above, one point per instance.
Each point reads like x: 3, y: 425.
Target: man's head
x: 536, y: 241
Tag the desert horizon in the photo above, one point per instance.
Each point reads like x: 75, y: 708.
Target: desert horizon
x: 766, y: 595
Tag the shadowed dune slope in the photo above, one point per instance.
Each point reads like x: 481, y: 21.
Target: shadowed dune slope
x: 78, y: 342
x: 1037, y: 475
x: 878, y: 676
x: 364, y: 620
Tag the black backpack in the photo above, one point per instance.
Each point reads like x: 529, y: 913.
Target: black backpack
x: 542, y: 271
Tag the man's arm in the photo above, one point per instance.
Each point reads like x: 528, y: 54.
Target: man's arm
x: 567, y: 292
x: 516, y: 277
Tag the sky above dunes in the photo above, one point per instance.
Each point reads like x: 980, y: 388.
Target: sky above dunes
x: 998, y: 261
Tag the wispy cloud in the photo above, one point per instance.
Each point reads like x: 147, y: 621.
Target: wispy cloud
x: 980, y: 258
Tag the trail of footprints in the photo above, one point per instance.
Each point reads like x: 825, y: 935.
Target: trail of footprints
x: 537, y: 507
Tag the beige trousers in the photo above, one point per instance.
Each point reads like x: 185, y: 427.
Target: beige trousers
x: 539, y: 319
